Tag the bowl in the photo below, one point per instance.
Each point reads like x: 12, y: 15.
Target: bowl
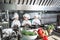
x: 30, y: 37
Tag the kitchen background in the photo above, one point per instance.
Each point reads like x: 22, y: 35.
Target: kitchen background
x: 45, y: 17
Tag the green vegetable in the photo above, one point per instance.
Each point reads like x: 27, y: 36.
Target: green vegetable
x: 46, y: 32
x: 28, y: 33
x: 50, y: 27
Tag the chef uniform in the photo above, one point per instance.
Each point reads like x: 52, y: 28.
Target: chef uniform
x: 16, y: 21
x: 16, y: 24
x: 36, y: 21
x: 26, y: 20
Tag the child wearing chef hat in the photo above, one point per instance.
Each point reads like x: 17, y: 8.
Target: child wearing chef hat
x: 36, y: 21
x: 26, y: 20
x: 16, y: 20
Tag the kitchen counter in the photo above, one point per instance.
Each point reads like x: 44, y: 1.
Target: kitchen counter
x: 53, y: 37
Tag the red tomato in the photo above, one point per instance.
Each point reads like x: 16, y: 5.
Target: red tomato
x: 42, y: 35
x: 45, y: 38
x: 41, y: 32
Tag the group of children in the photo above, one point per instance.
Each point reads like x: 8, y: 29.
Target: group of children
x: 26, y: 20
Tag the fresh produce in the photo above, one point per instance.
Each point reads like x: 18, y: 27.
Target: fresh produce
x: 46, y: 32
x: 45, y: 38
x: 28, y: 33
x: 50, y: 27
x: 41, y: 32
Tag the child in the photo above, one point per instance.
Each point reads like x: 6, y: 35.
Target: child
x: 36, y: 21
x: 26, y: 20
x: 16, y: 20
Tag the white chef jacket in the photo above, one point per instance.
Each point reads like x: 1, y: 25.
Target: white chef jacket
x: 26, y: 22
x: 36, y: 22
x: 16, y: 22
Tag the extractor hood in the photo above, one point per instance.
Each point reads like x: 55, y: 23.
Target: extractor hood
x: 50, y: 5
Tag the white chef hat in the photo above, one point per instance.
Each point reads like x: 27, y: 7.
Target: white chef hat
x: 15, y: 15
x: 26, y: 15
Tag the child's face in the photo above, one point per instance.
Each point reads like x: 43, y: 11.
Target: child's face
x: 36, y: 17
x: 17, y: 18
x: 25, y: 18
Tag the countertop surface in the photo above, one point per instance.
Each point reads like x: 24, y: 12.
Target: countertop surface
x: 53, y: 37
